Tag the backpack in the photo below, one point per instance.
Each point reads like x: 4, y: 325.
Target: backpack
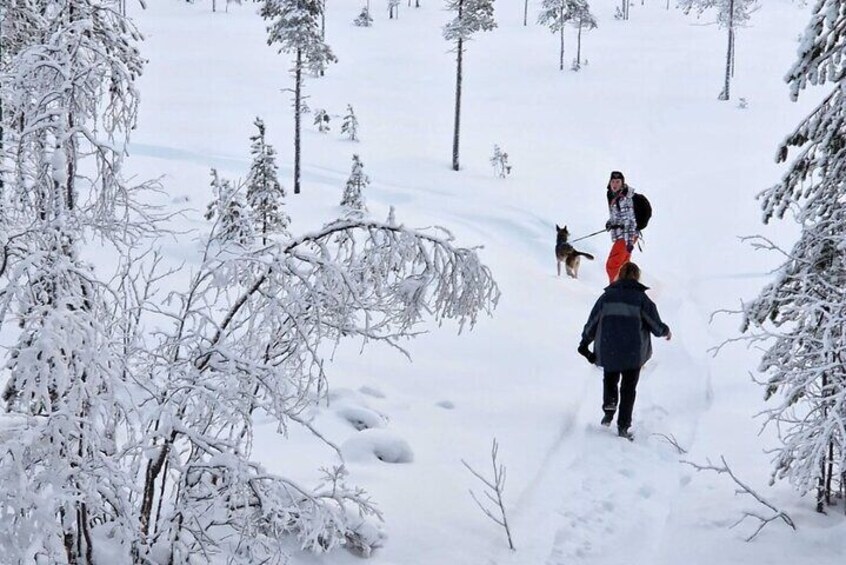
x: 642, y: 210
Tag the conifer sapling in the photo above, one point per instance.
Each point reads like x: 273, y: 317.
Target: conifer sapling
x: 349, y: 126
x: 353, y: 198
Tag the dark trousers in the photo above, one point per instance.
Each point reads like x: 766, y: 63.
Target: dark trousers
x: 626, y: 395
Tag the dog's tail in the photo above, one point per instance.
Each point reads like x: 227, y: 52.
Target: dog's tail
x: 583, y: 254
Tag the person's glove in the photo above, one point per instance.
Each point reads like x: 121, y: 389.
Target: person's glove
x: 629, y: 246
x: 610, y: 226
x: 587, y: 354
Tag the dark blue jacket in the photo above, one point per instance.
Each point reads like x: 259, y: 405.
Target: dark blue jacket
x: 620, y: 323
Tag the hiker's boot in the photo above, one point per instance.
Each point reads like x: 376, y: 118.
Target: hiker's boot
x: 625, y: 433
x: 606, y: 419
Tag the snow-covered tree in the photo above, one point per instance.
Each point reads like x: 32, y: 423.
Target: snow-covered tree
x: 471, y: 16
x: 233, y: 222
x: 129, y: 420
x: 622, y: 11
x: 364, y: 19
x: 321, y: 120
x: 557, y: 14
x: 294, y: 25
x: 799, y: 317
x: 583, y: 20
x: 731, y: 14
x: 349, y: 126
x: 265, y: 194
x: 246, y: 338
x: 68, y: 69
x: 393, y: 9
x: 353, y: 198
x: 499, y: 161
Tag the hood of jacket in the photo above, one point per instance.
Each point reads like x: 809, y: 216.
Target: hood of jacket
x: 628, y: 284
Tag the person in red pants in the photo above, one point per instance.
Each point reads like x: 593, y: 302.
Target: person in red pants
x: 621, y: 223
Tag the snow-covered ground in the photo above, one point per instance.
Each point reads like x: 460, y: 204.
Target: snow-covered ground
x: 646, y: 103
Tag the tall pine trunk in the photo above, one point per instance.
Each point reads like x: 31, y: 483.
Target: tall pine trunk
x: 579, y: 45
x: 298, y: 82
x: 726, y: 93
x: 561, y: 47
x: 525, y: 12
x: 457, y: 102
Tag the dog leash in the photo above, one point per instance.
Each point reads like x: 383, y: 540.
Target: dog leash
x: 589, y: 235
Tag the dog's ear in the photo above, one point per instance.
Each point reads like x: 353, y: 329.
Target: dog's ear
x: 557, y: 228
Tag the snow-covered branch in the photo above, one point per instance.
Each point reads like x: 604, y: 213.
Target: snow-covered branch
x: 763, y: 520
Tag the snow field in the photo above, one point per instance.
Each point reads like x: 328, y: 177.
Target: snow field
x: 644, y: 104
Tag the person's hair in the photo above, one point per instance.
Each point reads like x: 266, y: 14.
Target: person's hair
x: 629, y: 271
x: 617, y: 175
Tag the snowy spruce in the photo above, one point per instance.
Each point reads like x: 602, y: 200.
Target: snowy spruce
x: 799, y: 315
x: 353, y: 199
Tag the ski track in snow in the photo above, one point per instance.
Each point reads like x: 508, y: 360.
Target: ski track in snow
x: 617, y: 495
x: 606, y: 500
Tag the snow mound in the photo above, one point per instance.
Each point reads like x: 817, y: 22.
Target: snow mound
x: 362, y: 418
x: 377, y: 444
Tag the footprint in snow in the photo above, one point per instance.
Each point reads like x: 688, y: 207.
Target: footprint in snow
x: 445, y: 404
x: 371, y: 391
x: 645, y: 491
x: 377, y: 445
x: 362, y: 418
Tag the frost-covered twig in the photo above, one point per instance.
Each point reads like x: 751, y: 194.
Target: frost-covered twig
x: 746, y: 489
x: 495, y: 488
x: 671, y: 439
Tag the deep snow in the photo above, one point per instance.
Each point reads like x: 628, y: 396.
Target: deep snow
x: 646, y: 104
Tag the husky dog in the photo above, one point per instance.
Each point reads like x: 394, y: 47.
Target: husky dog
x: 564, y: 252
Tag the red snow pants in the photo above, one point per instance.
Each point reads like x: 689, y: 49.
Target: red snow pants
x: 617, y: 258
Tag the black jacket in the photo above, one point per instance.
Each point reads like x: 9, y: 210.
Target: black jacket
x: 620, y: 323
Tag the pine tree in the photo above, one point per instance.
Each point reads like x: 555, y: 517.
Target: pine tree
x: 731, y: 14
x: 353, y: 198
x: 471, y: 17
x: 321, y: 120
x: 801, y: 316
x: 350, y: 124
x: 556, y: 14
x: 265, y: 194
x: 364, y: 19
x: 499, y: 161
x: 622, y: 12
x: 294, y: 25
x: 583, y: 20
x: 234, y: 223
